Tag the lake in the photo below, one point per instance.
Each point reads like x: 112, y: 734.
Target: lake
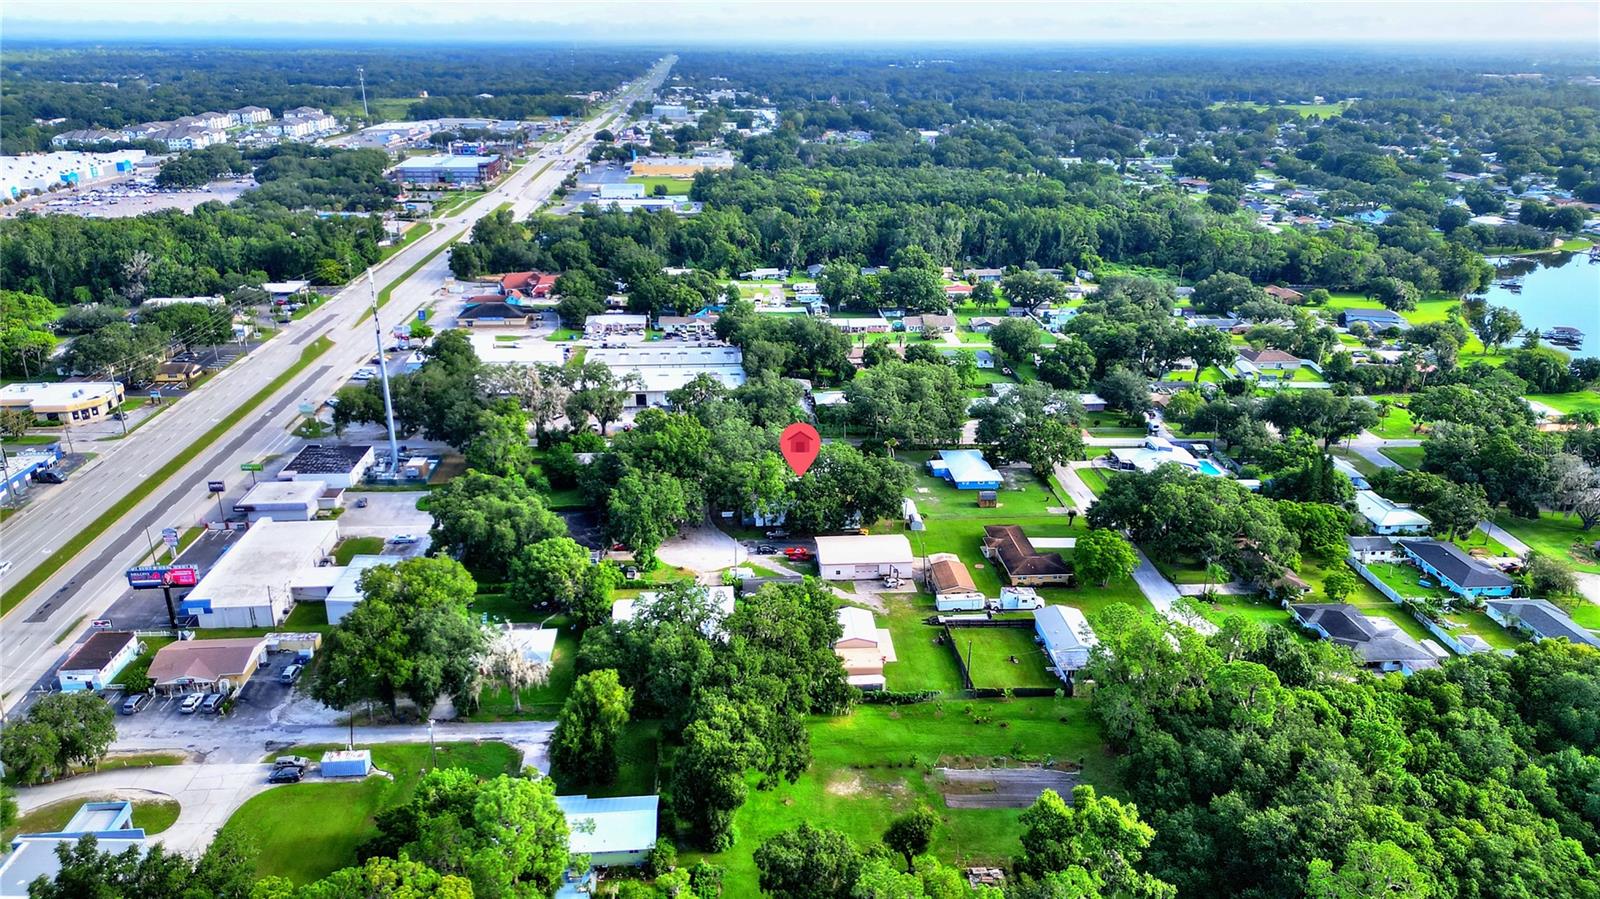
x: 1557, y: 289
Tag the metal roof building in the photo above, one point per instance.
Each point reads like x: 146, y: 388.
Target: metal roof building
x: 617, y: 831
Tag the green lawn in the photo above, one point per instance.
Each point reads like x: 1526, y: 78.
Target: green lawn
x: 1559, y: 536
x: 141, y: 665
x: 875, y: 763
x: 416, y: 232
x: 676, y: 187
x: 350, y: 547
x: 153, y: 815
x: 1093, y: 478
x: 1404, y: 456
x: 1568, y: 403
x: 306, y: 831
x: 1260, y: 611
x: 1397, y: 425
x: 990, y: 652
x: 1587, y: 614
x: 923, y: 662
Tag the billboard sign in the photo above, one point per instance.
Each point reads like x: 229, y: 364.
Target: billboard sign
x: 163, y: 576
x: 216, y: 486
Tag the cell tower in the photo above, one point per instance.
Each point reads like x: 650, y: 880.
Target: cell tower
x: 361, y: 73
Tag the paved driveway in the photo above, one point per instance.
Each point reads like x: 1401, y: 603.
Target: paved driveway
x: 208, y: 794
x: 1164, y: 596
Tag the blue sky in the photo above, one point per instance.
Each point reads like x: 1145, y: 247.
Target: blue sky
x: 820, y: 21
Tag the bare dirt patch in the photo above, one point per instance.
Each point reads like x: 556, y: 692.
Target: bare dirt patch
x: 999, y: 787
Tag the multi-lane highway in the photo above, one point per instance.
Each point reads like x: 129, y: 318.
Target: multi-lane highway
x: 34, y: 635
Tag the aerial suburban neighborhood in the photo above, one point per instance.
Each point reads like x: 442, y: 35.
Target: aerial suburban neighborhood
x: 934, y: 458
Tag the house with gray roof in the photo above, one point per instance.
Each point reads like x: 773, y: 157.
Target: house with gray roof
x: 1378, y: 642
x: 1456, y: 571
x: 1539, y: 618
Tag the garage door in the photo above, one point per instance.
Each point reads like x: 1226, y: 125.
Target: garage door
x: 866, y: 572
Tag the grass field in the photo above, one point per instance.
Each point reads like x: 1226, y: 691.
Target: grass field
x: 152, y: 815
x: 873, y: 764
x: 1404, y: 456
x: 990, y: 652
x: 676, y: 187
x: 380, y: 109
x: 71, y: 546
x: 1557, y: 536
x: 413, y: 234
x: 1568, y: 403
x: 922, y: 662
x: 306, y: 831
x: 1093, y: 478
x: 350, y: 547
x: 1305, y: 110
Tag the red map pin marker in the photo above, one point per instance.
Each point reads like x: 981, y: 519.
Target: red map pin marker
x: 800, y: 444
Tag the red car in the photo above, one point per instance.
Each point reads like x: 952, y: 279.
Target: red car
x: 797, y: 553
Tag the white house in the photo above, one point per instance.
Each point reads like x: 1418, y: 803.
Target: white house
x: 1368, y: 550
x: 1387, y: 517
x: 864, y: 557
x: 97, y: 661
x: 863, y: 648
x: 1066, y: 636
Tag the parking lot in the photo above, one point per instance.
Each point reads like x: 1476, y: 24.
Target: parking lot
x: 257, y: 710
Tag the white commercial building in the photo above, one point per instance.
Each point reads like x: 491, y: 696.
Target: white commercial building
x: 864, y: 557
x: 345, y: 593
x: 250, y: 585
x: 65, y: 402
x: 659, y: 368
x: 281, y: 501
x: 35, y: 172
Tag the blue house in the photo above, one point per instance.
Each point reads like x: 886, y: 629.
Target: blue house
x: 1455, y: 570
x: 966, y: 469
x: 1376, y: 319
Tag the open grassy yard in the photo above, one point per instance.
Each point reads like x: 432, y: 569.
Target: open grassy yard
x: 922, y: 661
x: 350, y: 547
x: 874, y: 764
x: 1568, y: 403
x: 1587, y: 614
x: 676, y: 187
x: 1093, y: 478
x: 1396, y: 425
x: 1000, y: 657
x: 1404, y: 456
x: 1559, y: 536
x: 307, y: 830
x: 1262, y: 612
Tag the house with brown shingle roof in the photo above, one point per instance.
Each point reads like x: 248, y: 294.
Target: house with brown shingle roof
x: 201, y: 666
x: 1270, y: 359
x: 1023, y: 565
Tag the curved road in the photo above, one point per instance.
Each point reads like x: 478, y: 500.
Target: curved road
x: 37, y: 633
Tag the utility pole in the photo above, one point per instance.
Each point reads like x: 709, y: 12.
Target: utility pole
x: 383, y: 374
x: 361, y: 73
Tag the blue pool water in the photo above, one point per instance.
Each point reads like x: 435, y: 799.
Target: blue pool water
x: 1206, y: 466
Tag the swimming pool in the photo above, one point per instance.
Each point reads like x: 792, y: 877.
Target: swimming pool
x: 1206, y: 466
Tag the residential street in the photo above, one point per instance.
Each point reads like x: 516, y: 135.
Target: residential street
x: 76, y: 593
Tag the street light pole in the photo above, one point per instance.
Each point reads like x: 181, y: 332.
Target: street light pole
x: 433, y: 752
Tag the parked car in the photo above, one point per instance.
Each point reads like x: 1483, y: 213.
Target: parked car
x: 403, y: 539
x: 120, y: 416
x: 286, y: 776
x: 361, y: 503
x: 765, y: 549
x: 775, y: 533
x: 48, y: 476
x: 291, y: 761
x: 290, y: 674
x: 797, y: 553
x: 135, y: 703
x: 212, y: 704
x: 191, y: 703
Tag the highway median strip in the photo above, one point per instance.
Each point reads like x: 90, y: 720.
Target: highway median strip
x: 24, y: 587
x: 387, y: 291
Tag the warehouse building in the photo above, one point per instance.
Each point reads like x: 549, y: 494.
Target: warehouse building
x: 281, y: 501
x: 864, y: 557
x: 251, y: 585
x: 335, y: 466
x: 659, y: 368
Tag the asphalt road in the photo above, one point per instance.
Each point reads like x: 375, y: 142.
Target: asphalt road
x: 50, y: 619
